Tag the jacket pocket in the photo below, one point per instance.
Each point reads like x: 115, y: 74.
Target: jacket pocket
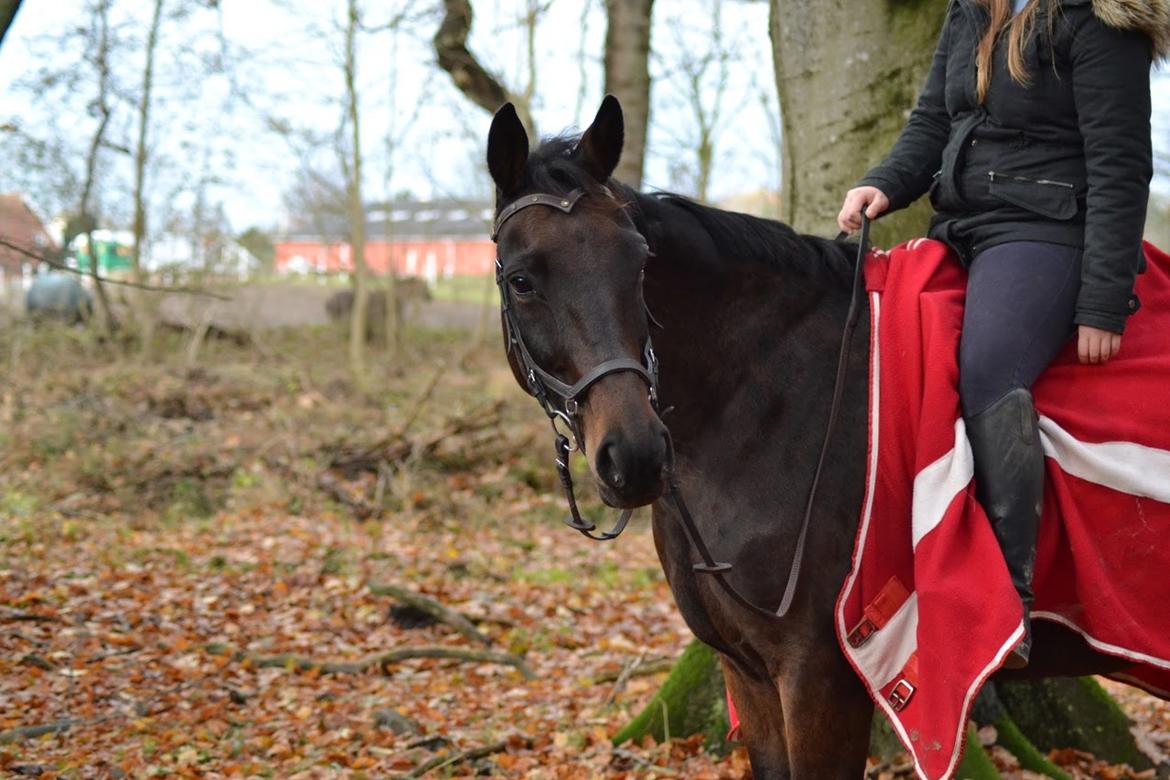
x: 1048, y: 198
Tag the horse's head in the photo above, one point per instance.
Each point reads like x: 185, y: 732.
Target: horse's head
x: 570, y: 270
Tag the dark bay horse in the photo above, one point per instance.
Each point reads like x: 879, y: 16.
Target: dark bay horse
x: 745, y: 315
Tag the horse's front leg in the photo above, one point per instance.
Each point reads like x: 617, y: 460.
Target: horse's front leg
x: 829, y: 717
x: 761, y: 720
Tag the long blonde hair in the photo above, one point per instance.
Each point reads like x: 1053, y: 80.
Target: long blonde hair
x: 1019, y: 29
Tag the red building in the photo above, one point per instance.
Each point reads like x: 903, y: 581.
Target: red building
x: 24, y: 231
x: 429, y: 240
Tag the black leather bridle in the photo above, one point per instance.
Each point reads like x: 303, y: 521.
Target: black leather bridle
x: 560, y: 402
x: 559, y: 399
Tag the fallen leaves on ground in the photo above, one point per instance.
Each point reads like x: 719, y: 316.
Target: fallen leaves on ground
x: 155, y: 561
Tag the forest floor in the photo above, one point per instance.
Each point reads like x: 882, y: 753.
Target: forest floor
x: 197, y: 560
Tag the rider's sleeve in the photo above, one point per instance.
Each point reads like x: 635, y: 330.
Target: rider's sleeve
x: 1111, y: 89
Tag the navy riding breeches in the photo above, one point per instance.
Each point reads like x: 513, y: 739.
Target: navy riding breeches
x: 1021, y: 298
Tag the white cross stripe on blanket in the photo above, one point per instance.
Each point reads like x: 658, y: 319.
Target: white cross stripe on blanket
x: 936, y: 486
x: 1119, y: 465
x: 1123, y: 466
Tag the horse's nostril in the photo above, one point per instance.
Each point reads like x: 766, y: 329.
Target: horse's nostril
x: 608, y: 463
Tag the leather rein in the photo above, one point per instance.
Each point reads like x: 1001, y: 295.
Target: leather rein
x: 560, y: 402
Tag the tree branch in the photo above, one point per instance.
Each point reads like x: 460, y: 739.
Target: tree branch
x: 380, y: 660
x: 57, y: 265
x: 469, y: 75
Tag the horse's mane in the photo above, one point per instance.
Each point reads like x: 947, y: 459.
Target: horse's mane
x: 744, y: 238
x: 553, y: 168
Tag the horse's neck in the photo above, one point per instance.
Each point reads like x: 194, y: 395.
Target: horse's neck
x: 743, y: 337
x: 748, y: 358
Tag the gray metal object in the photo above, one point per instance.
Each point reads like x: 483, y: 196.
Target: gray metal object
x: 58, y: 296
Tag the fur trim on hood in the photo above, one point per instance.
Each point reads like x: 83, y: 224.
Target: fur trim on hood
x: 1149, y: 16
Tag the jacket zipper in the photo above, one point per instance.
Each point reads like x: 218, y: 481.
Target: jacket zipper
x: 992, y: 176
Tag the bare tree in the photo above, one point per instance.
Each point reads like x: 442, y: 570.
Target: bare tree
x: 141, y: 152
x: 702, y: 75
x: 398, y: 128
x: 356, y: 209
x: 627, y: 76
x: 100, y: 59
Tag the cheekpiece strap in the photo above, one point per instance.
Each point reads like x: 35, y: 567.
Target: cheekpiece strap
x: 563, y: 203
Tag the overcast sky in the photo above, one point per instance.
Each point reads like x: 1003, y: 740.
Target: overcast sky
x: 285, y: 55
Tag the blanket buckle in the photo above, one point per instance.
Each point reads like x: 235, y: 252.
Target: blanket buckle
x: 900, y: 694
x: 861, y: 633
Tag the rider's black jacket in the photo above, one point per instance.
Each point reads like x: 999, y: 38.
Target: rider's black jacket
x: 1066, y: 159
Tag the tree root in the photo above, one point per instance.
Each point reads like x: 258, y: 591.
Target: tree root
x: 379, y: 660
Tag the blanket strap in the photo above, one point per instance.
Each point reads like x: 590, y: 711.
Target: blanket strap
x: 902, y: 688
x: 879, y: 611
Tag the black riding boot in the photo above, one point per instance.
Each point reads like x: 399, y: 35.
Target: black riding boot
x: 1009, y: 481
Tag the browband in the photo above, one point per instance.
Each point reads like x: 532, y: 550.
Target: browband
x: 563, y: 203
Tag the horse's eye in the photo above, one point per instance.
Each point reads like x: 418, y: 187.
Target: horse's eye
x: 521, y: 285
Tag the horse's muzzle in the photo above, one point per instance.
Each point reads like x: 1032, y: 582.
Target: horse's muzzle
x: 631, y: 471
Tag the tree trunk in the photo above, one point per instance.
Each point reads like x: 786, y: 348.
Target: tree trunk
x: 141, y: 152
x: 8, y: 9
x: 847, y: 75
x: 627, y: 77
x: 1072, y: 712
x: 101, y: 63
x: 691, y: 701
x: 359, y: 317
x: 141, y: 304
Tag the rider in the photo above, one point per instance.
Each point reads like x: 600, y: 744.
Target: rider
x: 1032, y: 135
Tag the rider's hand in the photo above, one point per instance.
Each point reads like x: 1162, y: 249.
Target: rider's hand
x: 1095, y: 345
x: 857, y: 199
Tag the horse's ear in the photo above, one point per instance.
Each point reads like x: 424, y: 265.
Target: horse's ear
x: 601, y: 145
x: 507, y: 150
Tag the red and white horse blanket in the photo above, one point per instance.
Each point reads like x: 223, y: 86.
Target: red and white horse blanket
x: 928, y: 611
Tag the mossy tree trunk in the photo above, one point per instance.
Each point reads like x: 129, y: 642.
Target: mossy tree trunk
x: 847, y: 75
x: 691, y: 701
x: 1072, y: 712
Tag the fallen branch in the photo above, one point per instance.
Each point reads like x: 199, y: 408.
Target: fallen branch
x: 33, y: 659
x: 636, y: 759
x: 21, y: 733
x: 379, y: 660
x: 396, y: 448
x: 433, y: 608
x: 438, y: 762
x: 362, y: 509
x: 644, y: 669
x: 17, y: 616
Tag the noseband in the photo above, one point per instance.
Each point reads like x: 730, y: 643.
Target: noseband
x: 559, y: 399
x: 560, y: 402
